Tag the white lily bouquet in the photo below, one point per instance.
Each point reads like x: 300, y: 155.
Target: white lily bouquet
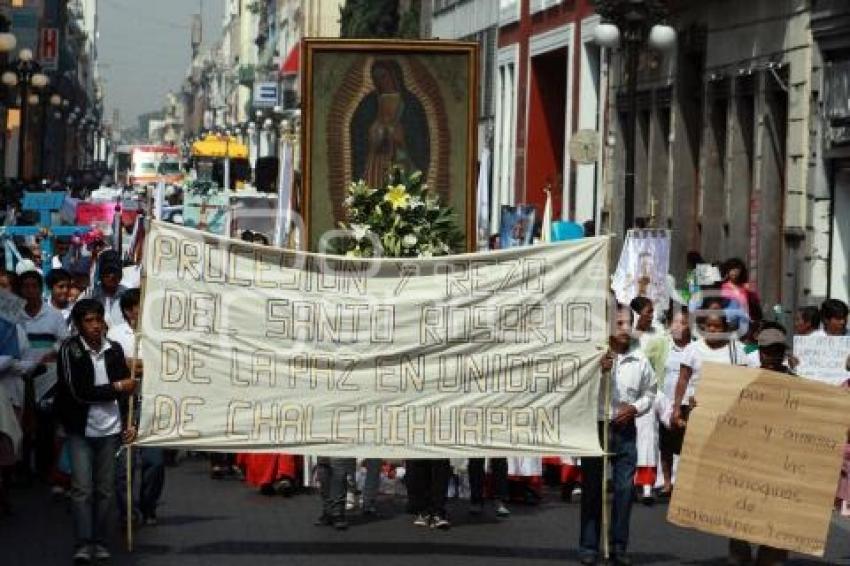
x: 403, y: 219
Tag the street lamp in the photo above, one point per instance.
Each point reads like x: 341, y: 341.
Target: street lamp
x: 24, y: 72
x: 639, y: 22
x: 8, y: 41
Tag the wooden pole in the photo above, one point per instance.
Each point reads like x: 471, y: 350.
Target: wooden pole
x: 130, y: 413
x: 606, y: 383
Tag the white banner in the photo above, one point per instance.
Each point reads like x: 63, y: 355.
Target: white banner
x: 251, y: 348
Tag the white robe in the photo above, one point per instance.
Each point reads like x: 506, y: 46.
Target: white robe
x: 647, y: 439
x: 525, y: 467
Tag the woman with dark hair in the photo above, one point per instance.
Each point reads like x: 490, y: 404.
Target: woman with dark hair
x: 735, y: 287
x: 91, y: 401
x: 716, y: 343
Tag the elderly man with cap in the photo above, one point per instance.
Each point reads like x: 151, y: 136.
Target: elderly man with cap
x: 773, y: 350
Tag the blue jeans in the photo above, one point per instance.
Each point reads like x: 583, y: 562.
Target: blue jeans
x: 92, y: 485
x: 372, y: 483
x: 623, y: 447
x: 149, y: 465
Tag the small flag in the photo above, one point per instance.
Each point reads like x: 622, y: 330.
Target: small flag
x: 117, y: 229
x: 484, y: 200
x: 158, y: 200
x: 284, y: 196
x: 546, y: 227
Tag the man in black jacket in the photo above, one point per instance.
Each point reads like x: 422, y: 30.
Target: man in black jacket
x: 91, y: 398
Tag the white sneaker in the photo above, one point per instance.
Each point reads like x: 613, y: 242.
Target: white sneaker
x: 101, y: 553
x: 422, y: 520
x: 502, y: 511
x: 82, y: 555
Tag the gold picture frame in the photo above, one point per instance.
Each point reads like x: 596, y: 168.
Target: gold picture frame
x: 365, y: 103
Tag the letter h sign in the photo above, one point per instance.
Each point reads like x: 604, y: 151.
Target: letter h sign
x: 48, y: 49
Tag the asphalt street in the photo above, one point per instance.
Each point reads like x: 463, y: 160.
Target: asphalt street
x: 208, y: 523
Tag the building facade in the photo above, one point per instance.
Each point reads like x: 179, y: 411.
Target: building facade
x: 830, y: 164
x: 64, y: 123
x: 724, y: 145
x: 470, y: 20
x: 549, y: 83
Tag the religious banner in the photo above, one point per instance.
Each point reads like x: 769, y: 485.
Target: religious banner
x: 643, y: 267
x: 253, y: 348
x: 376, y: 104
x: 761, y: 458
x: 823, y: 358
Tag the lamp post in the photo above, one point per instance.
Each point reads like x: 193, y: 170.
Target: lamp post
x: 24, y: 72
x: 639, y: 22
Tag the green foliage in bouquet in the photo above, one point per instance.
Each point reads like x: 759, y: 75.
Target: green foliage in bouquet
x: 403, y: 216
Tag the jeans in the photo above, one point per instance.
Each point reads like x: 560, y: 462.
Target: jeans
x: 92, y: 485
x: 372, y: 483
x: 499, y: 467
x: 333, y: 474
x: 427, y: 484
x: 149, y: 465
x: 623, y: 447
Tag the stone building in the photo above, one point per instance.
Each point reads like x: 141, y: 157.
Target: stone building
x: 724, y: 143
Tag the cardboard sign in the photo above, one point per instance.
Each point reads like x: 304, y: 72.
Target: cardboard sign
x: 823, y: 358
x: 761, y: 458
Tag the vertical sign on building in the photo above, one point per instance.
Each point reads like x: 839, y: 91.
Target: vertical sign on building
x: 48, y: 49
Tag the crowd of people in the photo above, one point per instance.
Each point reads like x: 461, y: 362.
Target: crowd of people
x: 70, y: 367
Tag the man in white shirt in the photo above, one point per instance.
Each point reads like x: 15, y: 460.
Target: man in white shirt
x: 107, y: 291
x: 59, y: 283
x: 833, y: 314
x: 150, y: 460
x: 631, y: 393
x: 46, y: 329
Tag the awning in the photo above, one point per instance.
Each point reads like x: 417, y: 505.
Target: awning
x: 213, y: 146
x: 292, y: 63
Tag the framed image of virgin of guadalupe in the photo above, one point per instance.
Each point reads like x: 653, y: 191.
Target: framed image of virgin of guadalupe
x: 369, y: 105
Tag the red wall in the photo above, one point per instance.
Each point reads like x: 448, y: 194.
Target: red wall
x: 528, y: 185
x: 546, y: 120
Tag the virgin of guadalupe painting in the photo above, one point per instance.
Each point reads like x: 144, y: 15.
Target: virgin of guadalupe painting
x: 370, y: 105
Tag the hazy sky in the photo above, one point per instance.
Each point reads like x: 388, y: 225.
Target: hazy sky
x: 145, y: 50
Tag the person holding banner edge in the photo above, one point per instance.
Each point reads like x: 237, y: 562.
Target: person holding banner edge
x: 632, y: 392
x: 93, y: 389
x: 772, y: 352
x: 151, y: 459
